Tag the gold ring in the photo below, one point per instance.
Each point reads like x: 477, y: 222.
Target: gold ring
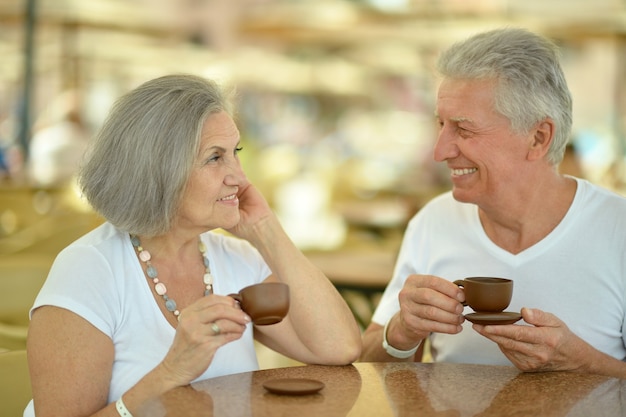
x: 216, y: 329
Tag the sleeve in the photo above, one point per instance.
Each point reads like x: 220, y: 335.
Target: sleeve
x: 415, y: 253
x: 389, y: 303
x: 81, y: 281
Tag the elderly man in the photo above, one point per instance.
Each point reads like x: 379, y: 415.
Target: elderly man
x: 504, y: 111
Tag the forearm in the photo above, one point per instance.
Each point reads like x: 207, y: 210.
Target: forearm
x: 600, y: 363
x: 319, y: 314
x: 150, y: 386
x: 373, y: 350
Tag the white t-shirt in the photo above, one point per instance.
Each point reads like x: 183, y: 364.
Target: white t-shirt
x: 100, y: 278
x: 577, y: 272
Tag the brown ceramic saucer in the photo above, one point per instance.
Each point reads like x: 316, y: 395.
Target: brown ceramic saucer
x: 505, y: 317
x: 293, y: 386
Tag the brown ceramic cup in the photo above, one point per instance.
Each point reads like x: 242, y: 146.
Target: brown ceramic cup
x: 265, y: 303
x: 486, y: 294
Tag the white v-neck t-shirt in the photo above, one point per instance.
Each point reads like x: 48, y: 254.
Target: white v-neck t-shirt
x: 100, y: 278
x: 577, y: 272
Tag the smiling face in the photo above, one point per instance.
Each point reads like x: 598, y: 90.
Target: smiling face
x: 485, y: 157
x: 210, y: 199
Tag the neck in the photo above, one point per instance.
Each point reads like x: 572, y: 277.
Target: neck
x: 182, y: 269
x: 530, y: 215
x: 172, y: 246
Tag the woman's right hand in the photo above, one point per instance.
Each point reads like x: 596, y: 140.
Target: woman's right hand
x: 196, y: 339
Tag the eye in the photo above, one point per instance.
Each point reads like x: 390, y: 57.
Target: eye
x: 213, y: 158
x: 464, y: 133
x: 238, y: 149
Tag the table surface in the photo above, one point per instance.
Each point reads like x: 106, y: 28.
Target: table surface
x: 400, y: 389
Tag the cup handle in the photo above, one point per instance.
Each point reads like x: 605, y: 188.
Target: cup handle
x: 461, y: 283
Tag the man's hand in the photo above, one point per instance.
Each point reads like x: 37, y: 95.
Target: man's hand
x: 428, y: 304
x: 546, y: 345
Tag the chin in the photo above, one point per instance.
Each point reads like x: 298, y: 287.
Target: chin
x: 229, y: 224
x: 461, y: 196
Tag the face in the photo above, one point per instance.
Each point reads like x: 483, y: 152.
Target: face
x: 485, y: 157
x: 210, y: 199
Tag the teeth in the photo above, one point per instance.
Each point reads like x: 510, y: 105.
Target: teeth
x: 230, y: 197
x: 463, y: 171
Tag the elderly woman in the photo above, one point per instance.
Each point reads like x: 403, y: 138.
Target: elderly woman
x: 139, y: 305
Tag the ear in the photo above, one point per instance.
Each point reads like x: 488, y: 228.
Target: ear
x: 541, y: 139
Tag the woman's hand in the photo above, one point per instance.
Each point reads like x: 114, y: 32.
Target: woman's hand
x: 253, y: 208
x: 203, y: 327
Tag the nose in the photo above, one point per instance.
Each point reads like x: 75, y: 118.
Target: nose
x: 235, y: 174
x: 445, y: 147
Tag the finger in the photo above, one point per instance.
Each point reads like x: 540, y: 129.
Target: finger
x: 421, y: 319
x: 420, y: 325
x: 209, y: 311
x: 436, y: 314
x: 514, y: 337
x: 214, y: 299
x: 439, y: 285
x: 215, y: 328
x: 412, y: 297
x: 540, y: 318
x: 219, y: 330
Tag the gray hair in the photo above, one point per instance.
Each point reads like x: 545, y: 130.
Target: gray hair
x: 138, y: 165
x: 531, y: 85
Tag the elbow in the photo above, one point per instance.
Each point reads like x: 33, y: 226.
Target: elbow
x: 352, y: 353
x: 345, y: 354
x: 351, y: 349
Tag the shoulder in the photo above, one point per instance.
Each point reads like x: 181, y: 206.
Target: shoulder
x: 104, y: 240
x: 594, y: 197
x: 105, y: 251
x: 442, y: 208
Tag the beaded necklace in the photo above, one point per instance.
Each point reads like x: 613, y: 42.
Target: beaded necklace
x: 160, y: 287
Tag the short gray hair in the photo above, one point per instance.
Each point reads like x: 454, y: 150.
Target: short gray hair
x: 138, y: 164
x: 531, y: 85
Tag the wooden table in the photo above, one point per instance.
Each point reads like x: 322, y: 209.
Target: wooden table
x: 400, y: 389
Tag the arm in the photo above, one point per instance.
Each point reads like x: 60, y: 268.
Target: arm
x: 549, y: 345
x: 373, y: 345
x: 70, y: 364
x: 71, y: 361
x: 320, y: 328
x: 427, y: 304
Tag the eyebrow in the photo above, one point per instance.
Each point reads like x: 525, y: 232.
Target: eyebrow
x: 461, y: 119
x: 218, y: 148
x: 457, y: 119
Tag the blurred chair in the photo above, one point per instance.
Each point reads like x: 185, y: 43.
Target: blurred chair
x: 15, y: 390
x: 21, y: 277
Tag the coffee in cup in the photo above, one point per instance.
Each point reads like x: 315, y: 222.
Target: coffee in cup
x: 266, y: 303
x: 486, y: 294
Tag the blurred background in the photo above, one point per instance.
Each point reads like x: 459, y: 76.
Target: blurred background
x: 335, y: 104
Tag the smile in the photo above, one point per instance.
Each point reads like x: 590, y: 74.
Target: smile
x: 463, y: 171
x: 228, y: 198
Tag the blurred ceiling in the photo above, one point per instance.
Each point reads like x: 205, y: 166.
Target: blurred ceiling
x: 333, y: 46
